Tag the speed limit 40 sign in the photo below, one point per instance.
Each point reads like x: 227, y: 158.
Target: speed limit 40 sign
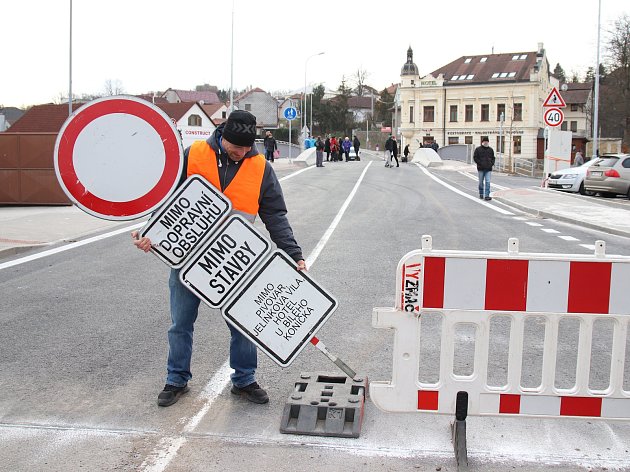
x: 553, y: 117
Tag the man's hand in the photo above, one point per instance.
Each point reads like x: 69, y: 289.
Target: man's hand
x: 144, y: 244
x: 301, y: 265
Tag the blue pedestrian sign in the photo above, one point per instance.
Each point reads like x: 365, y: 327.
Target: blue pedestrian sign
x: 290, y: 113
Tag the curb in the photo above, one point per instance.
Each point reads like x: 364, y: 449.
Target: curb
x: 545, y: 214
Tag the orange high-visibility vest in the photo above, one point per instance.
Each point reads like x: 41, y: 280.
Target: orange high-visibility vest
x: 244, y: 189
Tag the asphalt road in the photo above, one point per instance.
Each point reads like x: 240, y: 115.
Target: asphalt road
x: 83, y: 345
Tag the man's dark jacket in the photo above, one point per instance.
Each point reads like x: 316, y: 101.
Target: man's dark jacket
x: 484, y: 157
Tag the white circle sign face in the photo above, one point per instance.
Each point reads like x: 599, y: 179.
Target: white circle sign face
x: 127, y: 167
x: 553, y: 117
x: 118, y: 158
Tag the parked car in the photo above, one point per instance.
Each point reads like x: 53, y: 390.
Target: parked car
x: 570, y: 179
x: 609, y: 176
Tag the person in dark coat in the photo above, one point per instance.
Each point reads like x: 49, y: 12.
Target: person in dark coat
x: 327, y: 148
x: 484, y: 158
x: 406, y: 153
x: 395, y: 151
x: 356, y: 143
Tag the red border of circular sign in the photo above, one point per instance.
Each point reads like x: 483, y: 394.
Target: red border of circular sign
x: 549, y: 110
x: 130, y: 208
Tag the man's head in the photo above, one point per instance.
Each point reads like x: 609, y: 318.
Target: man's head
x: 239, y: 134
x: 485, y: 142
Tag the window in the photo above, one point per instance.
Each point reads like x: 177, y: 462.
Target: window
x: 194, y: 120
x: 564, y: 126
x: 503, y: 75
x: 453, y: 140
x: 518, y: 112
x: 483, y: 59
x: 485, y: 112
x: 453, y: 113
x: 455, y: 77
x: 626, y: 164
x: 467, y: 61
x: 470, y: 76
x: 224, y: 114
x: 500, y: 110
x: 574, y: 126
x: 469, y: 113
x: 468, y: 139
x: 523, y: 57
x: 574, y: 107
x: 500, y: 144
x: 411, y: 119
x: 462, y: 77
x: 512, y: 74
x: 429, y: 114
x: 517, y: 144
x: 248, y: 107
x: 495, y: 75
x: 413, y: 82
x: 515, y: 57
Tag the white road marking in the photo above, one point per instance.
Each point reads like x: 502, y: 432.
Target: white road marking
x: 67, y: 247
x: 476, y: 179
x: 531, y: 223
x: 550, y: 230
x: 590, y: 247
x: 168, y: 447
x: 463, y: 194
x: 568, y: 238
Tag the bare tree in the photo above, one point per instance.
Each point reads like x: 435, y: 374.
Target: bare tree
x: 615, y: 87
x: 359, y: 80
x: 113, y: 87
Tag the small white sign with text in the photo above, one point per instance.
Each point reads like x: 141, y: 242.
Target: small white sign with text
x: 186, y: 220
x: 224, y: 261
x: 280, y: 308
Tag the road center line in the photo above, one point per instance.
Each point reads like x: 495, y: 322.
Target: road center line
x: 168, y: 447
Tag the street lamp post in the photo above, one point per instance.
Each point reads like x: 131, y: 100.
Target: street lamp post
x: 304, y: 97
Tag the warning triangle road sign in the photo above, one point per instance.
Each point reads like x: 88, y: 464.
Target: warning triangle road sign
x: 554, y: 99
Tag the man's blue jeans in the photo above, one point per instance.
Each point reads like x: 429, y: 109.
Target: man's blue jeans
x: 484, y: 182
x: 184, y: 310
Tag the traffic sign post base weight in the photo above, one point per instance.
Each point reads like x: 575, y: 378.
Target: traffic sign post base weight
x: 324, y: 404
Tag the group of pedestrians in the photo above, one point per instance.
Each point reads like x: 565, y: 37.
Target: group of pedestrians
x: 336, y: 148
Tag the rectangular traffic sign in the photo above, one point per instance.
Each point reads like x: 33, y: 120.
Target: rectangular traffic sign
x: 280, y: 308
x: 186, y: 220
x: 218, y: 267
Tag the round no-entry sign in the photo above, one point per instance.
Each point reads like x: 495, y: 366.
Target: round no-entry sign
x: 118, y: 158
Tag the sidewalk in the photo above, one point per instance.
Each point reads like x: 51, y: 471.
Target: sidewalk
x: 590, y: 212
x: 23, y: 228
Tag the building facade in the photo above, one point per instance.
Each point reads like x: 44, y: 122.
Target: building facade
x: 493, y: 95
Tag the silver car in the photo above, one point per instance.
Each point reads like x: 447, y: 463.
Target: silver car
x: 570, y: 179
x: 609, y: 176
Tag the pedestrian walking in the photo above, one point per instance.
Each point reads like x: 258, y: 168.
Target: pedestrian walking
x: 578, y: 160
x: 346, y: 145
x: 357, y: 144
x: 484, y: 158
x: 334, y: 149
x: 270, y: 145
x: 319, y: 152
x: 395, y: 151
x: 388, y: 151
x: 253, y: 187
x: 405, y: 157
x: 327, y: 147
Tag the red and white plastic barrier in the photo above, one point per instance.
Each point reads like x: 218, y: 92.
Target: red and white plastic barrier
x: 473, y: 288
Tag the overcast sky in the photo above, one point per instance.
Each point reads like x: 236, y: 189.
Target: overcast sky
x: 151, y: 45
